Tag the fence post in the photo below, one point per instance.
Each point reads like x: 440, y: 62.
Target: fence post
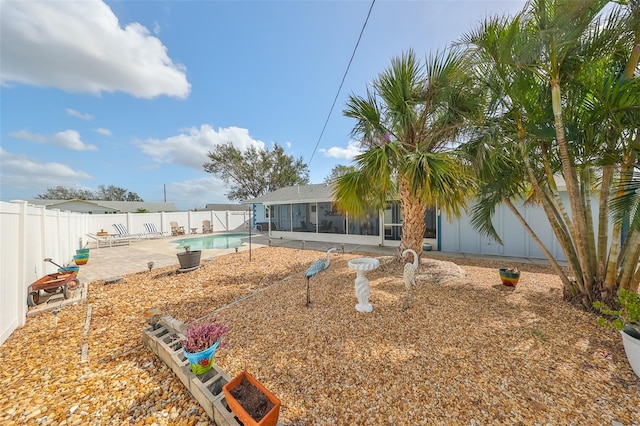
x: 43, y: 231
x: 22, y: 263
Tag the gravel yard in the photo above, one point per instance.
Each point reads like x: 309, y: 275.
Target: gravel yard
x: 468, y: 351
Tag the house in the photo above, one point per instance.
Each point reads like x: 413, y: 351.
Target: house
x: 306, y: 212
x: 221, y: 207
x: 102, y: 207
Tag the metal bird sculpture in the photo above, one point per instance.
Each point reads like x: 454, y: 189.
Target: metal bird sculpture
x: 409, y: 275
x: 317, y: 266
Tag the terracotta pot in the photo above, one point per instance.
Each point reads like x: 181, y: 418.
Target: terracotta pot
x: 509, y: 277
x: 269, y: 419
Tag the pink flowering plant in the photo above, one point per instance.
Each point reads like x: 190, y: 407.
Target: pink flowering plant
x: 203, y: 336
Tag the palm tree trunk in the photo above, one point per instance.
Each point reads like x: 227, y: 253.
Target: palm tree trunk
x: 603, y: 221
x: 413, y: 211
x: 579, y: 230
x: 554, y: 263
x: 630, y: 266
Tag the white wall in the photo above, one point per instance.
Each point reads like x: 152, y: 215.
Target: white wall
x: 29, y: 234
x: 459, y: 235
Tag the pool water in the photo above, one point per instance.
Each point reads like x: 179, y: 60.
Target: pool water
x: 216, y: 241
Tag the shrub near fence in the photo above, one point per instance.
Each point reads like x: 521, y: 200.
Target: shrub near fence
x: 32, y: 233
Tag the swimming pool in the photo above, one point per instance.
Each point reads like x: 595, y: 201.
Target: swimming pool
x: 215, y: 241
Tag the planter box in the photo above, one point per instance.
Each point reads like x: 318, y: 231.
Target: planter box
x: 269, y: 419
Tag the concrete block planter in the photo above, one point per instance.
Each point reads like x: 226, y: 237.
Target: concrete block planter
x: 164, y: 340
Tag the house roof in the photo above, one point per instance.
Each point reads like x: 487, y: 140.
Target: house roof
x: 298, y: 193
x: 229, y: 207
x: 120, y: 206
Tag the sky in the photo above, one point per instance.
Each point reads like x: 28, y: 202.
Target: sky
x: 136, y: 93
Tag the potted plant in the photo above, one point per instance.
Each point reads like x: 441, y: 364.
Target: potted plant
x: 251, y: 402
x: 627, y: 321
x: 509, y: 276
x: 189, y: 259
x: 201, y: 343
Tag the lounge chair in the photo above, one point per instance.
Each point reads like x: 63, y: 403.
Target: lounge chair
x: 152, y: 231
x: 175, y: 229
x: 124, y: 233
x: 206, y: 227
x: 109, y: 240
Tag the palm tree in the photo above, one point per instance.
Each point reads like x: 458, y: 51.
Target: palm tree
x: 406, y: 123
x: 562, y: 100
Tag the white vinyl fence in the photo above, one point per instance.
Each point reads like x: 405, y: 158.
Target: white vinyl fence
x: 29, y: 234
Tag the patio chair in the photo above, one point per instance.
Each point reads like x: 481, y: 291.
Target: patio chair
x: 152, y: 231
x: 206, y: 227
x: 176, y: 229
x: 123, y: 232
x: 109, y: 240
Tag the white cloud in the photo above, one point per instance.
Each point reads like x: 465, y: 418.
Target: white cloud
x: 349, y: 152
x: 198, y: 192
x: 103, y: 131
x: 80, y: 46
x: 21, y: 173
x: 67, y: 139
x: 82, y: 115
x: 156, y: 28
x: 190, y: 148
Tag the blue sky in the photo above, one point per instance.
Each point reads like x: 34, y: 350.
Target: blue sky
x: 135, y: 93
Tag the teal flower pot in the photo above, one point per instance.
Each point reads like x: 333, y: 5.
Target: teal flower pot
x: 202, y: 361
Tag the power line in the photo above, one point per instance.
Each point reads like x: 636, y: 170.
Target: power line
x: 342, y: 82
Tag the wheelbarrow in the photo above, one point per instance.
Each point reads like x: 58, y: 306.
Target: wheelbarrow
x: 51, y: 283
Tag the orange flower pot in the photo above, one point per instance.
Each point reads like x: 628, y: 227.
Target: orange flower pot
x: 269, y: 419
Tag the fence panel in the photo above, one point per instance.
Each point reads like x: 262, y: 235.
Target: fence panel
x: 32, y: 233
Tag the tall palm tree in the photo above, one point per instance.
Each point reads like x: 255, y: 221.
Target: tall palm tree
x: 406, y: 124
x: 562, y: 99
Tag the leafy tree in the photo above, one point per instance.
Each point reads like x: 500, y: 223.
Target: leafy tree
x: 338, y: 171
x: 255, y: 172
x: 109, y: 193
x: 63, y: 193
x: 562, y: 100
x: 115, y: 193
x: 405, y: 123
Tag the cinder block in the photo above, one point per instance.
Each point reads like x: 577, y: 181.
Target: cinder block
x: 201, y: 393
x: 150, y: 337
x: 148, y: 341
x: 182, y: 371
x: 169, y: 345
x: 222, y: 415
